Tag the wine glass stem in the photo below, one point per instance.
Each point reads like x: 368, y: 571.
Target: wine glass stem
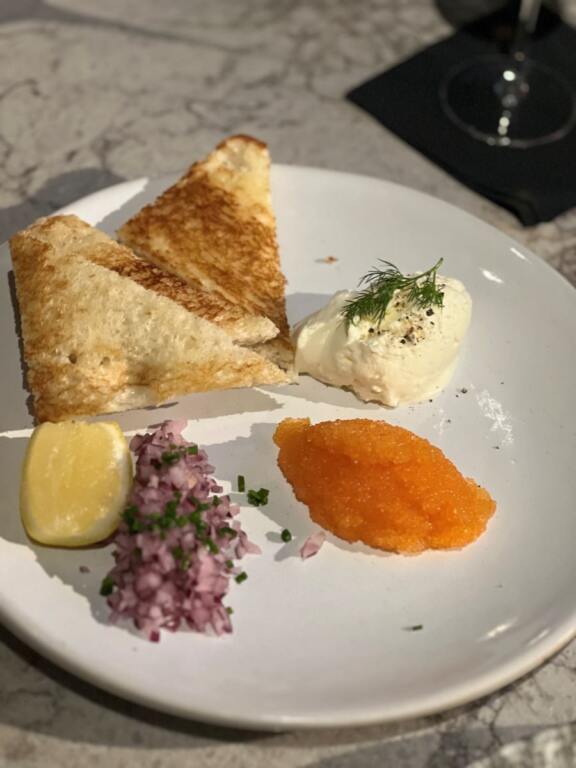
x: 525, y: 26
x: 514, y: 88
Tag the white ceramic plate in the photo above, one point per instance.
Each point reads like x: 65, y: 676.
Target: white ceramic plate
x: 324, y: 642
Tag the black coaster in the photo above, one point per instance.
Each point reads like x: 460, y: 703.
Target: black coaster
x: 536, y: 184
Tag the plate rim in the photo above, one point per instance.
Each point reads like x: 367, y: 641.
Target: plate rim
x: 452, y: 699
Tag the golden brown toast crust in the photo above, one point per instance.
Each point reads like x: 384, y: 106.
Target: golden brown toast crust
x: 189, y: 295
x: 216, y: 226
x: 95, y: 340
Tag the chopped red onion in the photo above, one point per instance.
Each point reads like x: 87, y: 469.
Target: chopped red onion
x: 176, y: 542
x: 312, y: 544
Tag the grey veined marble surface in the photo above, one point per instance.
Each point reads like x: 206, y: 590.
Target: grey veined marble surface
x: 95, y: 92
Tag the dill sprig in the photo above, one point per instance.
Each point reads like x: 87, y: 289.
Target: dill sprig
x: 381, y: 284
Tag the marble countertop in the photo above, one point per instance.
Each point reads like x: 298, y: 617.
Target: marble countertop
x: 95, y: 93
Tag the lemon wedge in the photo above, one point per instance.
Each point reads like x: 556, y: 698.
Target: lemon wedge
x: 75, y: 482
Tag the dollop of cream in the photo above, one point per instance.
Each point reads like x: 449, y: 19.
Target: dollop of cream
x: 410, y: 356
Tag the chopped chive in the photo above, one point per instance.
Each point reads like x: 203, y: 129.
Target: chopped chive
x: 107, y: 586
x: 258, y: 498
x: 212, y: 547
x: 129, y: 517
x: 170, y: 508
x: 229, y: 611
x: 241, y: 483
x: 182, y: 558
x: 215, y: 501
x: 414, y: 628
x: 171, y: 457
x: 229, y: 564
x: 241, y: 577
x: 227, y: 531
x: 196, y: 519
x: 286, y: 535
x: 192, y: 450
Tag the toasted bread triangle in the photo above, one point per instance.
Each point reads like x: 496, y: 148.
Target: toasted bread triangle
x: 97, y: 341
x: 216, y: 226
x: 192, y: 297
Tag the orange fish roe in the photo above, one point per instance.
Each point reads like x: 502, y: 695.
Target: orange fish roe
x: 370, y: 481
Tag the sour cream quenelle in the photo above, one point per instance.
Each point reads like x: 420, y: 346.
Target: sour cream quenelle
x: 410, y: 355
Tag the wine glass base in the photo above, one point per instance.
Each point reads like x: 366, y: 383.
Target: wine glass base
x: 509, y: 103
